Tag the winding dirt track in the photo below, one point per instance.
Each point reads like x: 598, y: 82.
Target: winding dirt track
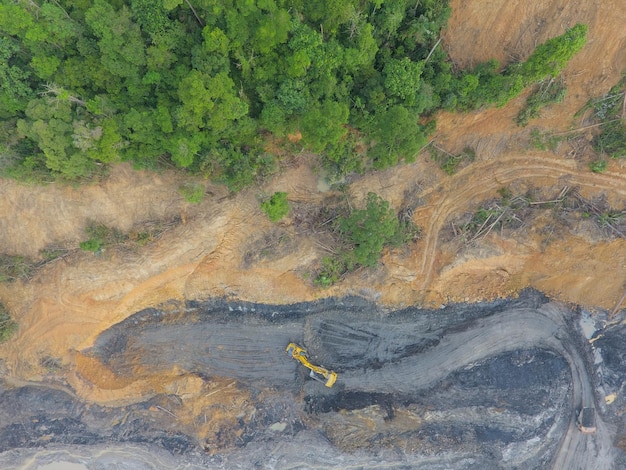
x: 476, y: 182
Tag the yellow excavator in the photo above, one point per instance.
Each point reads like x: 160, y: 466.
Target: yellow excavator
x: 317, y: 372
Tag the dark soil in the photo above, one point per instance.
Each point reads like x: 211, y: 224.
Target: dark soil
x: 490, y: 409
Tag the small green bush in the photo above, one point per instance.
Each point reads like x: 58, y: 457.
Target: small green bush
x: 598, y: 166
x: 7, y: 326
x: 369, y: 230
x: 101, y: 236
x: 192, y: 192
x: 333, y: 267
x: 93, y: 244
x: 276, y: 207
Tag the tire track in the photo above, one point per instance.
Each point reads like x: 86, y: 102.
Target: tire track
x: 508, y: 331
x: 473, y: 183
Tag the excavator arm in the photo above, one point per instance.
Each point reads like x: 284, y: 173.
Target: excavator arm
x: 299, y: 354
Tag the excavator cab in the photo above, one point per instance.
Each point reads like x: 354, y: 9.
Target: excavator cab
x: 325, y: 376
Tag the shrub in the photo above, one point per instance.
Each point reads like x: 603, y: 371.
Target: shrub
x: 612, y: 140
x: 608, y: 114
x: 549, y: 58
x: 333, y: 267
x: 276, y: 207
x: 192, y: 192
x: 365, y: 233
x: 7, y: 325
x: 450, y: 163
x: 93, y: 244
x: 101, y: 236
x: 369, y: 230
x: 598, y: 166
x: 544, y: 141
x: 484, y: 86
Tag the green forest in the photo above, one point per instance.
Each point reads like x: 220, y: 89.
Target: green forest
x: 204, y: 85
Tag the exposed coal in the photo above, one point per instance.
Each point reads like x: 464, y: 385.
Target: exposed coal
x: 492, y: 407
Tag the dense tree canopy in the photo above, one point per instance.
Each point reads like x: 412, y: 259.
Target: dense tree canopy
x: 200, y: 84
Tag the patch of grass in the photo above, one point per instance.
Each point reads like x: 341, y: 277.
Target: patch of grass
x: 7, y: 325
x: 557, y: 213
x: 612, y: 140
x: 566, y: 209
x: 192, y: 192
x: 610, y: 218
x: 545, y: 93
x: 52, y: 252
x: 143, y: 238
x: 151, y: 231
x: 13, y: 268
x: 101, y: 236
x: 608, y: 111
x: 276, y: 207
x: 51, y: 364
x: 544, y: 140
x: 450, y: 163
x: 333, y: 268
x: 269, y: 246
x: 598, y: 166
x: 498, y: 214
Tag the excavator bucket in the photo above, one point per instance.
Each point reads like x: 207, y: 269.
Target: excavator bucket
x: 319, y: 373
x: 329, y: 379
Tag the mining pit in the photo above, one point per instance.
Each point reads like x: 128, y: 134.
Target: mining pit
x: 490, y: 385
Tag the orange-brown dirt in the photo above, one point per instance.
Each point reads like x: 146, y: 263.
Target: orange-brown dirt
x: 71, y: 300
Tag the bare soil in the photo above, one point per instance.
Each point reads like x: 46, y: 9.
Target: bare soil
x: 225, y: 247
